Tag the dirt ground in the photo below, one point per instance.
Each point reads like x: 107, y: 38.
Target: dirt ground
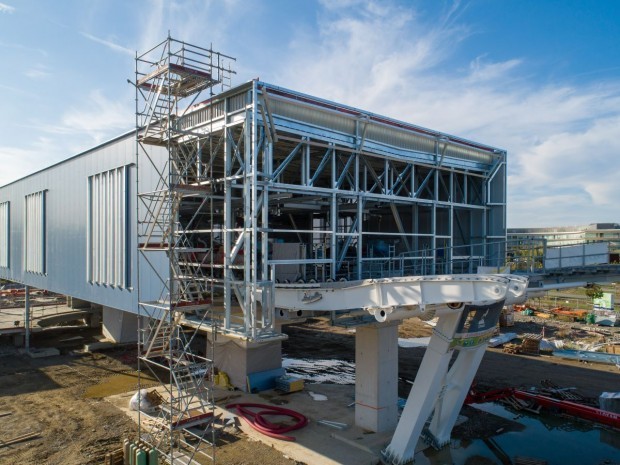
x: 316, y: 339
x: 60, y: 397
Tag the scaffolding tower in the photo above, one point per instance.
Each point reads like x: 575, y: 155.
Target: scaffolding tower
x: 173, y: 192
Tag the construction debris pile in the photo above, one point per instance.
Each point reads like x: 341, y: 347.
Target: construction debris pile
x: 554, y: 333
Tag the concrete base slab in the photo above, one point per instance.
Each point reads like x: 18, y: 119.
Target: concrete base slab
x: 40, y: 353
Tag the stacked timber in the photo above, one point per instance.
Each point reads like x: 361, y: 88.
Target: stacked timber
x: 511, y: 348
x: 114, y: 458
x: 530, y: 344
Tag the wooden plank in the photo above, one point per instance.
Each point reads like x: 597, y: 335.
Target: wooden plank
x: 17, y: 439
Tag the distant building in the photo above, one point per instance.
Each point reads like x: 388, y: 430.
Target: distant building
x: 570, y: 235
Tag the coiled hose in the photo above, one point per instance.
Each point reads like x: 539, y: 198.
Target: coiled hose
x: 258, y: 419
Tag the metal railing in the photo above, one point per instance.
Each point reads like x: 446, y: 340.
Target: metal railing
x: 531, y: 256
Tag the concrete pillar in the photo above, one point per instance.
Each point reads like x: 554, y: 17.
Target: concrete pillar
x: 238, y: 358
x: 94, y: 320
x: 120, y: 326
x: 376, y: 377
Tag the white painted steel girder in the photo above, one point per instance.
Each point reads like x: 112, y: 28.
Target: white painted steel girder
x: 402, y: 297
x: 437, y: 392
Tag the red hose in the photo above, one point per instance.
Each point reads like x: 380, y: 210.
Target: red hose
x: 258, y: 420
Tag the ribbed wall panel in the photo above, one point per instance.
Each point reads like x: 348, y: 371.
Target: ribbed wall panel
x: 5, y: 228
x: 107, y: 228
x: 400, y: 139
x: 381, y: 133
x: 309, y: 115
x: 34, y: 241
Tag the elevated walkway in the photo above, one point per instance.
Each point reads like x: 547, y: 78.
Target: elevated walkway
x: 571, y: 276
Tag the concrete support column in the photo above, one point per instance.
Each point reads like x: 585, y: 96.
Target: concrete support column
x: 239, y: 358
x: 119, y: 326
x: 376, y: 377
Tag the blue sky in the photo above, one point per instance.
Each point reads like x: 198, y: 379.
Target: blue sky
x: 539, y: 78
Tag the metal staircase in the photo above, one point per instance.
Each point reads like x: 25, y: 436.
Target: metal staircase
x: 173, y: 195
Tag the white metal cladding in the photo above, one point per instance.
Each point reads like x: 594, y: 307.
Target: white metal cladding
x: 382, y: 133
x: 34, y: 233
x: 4, y: 234
x: 107, y: 228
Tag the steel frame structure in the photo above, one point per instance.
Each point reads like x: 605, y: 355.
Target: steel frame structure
x: 361, y: 195
x: 166, y: 78
x: 258, y: 185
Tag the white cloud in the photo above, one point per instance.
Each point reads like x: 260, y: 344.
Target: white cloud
x: 99, y: 118
x: 561, y: 138
x: 154, y: 26
x: 199, y: 22
x: 38, y: 72
x: 480, y: 71
x: 109, y: 43
x: 94, y: 121
x: 24, y: 48
x: 4, y: 8
x: 16, y: 90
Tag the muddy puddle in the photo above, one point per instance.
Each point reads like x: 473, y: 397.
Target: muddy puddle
x: 548, y: 438
x: 117, y: 384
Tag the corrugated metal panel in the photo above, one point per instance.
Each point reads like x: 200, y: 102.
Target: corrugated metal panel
x: 310, y: 115
x: 5, y: 227
x: 237, y: 102
x: 34, y: 230
x: 212, y: 111
x: 107, y: 228
x: 470, y: 153
x: 384, y: 134
x: 401, y: 139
